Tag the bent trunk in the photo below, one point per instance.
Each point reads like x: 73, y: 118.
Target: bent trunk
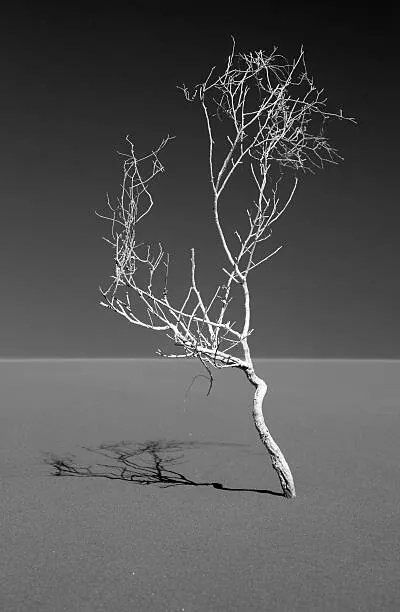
x: 279, y: 462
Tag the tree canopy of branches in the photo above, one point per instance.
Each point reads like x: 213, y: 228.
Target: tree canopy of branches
x: 261, y: 112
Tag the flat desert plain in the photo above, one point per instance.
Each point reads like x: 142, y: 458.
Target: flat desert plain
x: 122, y: 490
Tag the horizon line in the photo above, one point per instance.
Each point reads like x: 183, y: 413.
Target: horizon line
x: 18, y: 359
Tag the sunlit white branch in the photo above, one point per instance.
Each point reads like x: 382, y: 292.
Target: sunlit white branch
x: 275, y: 119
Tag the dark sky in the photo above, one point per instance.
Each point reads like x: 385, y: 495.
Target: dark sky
x: 75, y: 81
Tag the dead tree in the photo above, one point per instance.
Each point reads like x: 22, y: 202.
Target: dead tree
x: 262, y: 114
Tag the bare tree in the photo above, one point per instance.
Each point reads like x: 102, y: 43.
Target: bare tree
x: 265, y: 120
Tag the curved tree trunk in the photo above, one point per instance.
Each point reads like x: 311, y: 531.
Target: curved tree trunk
x: 279, y: 462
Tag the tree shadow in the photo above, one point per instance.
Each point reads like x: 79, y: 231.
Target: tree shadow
x: 143, y: 463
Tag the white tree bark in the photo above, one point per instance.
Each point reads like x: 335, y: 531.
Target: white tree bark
x: 278, y: 460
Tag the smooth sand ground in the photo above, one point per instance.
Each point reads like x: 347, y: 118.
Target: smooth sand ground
x: 92, y: 543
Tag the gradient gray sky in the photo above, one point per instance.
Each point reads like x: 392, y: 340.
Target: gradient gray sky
x: 74, y: 83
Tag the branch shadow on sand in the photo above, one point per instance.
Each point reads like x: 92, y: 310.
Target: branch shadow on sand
x: 145, y: 463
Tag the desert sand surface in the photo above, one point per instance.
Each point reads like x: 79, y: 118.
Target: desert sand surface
x: 167, y: 503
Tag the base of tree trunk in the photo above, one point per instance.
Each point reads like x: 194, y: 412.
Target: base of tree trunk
x: 279, y: 464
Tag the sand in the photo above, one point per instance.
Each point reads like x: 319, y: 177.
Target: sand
x: 92, y: 543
